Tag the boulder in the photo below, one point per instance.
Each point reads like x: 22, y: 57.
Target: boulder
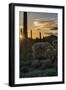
x: 43, y: 50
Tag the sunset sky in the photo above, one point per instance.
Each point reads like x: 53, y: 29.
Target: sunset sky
x: 46, y: 23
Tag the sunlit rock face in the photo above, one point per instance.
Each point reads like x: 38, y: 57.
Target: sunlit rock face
x: 43, y: 51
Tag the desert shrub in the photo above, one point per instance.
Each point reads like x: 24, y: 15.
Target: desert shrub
x: 51, y: 72
x: 24, y: 69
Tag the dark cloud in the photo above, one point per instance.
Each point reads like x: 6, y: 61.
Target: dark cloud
x: 47, y: 21
x: 46, y: 24
x: 54, y: 28
x: 38, y: 29
x: 49, y: 33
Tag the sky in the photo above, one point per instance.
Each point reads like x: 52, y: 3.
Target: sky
x: 46, y: 23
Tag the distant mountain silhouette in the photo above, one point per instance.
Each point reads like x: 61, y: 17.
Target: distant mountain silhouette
x: 50, y: 38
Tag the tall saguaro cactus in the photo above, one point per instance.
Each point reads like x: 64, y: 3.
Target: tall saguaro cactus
x: 31, y: 34
x: 40, y: 35
x: 25, y: 24
x: 25, y: 44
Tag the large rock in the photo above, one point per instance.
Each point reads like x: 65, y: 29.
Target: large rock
x: 43, y: 50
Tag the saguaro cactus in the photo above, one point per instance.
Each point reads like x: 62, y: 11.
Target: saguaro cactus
x: 25, y: 25
x: 40, y: 35
x: 31, y: 34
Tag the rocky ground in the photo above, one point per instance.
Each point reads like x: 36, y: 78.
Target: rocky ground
x: 39, y: 59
